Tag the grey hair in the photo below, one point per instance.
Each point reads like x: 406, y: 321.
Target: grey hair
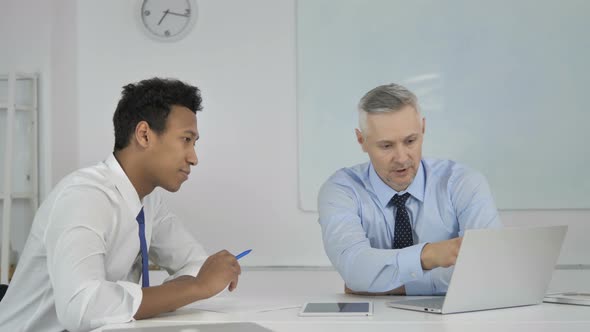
x: 385, y: 98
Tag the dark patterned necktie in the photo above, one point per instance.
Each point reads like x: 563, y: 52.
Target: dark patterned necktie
x: 402, y: 233
x: 145, y: 276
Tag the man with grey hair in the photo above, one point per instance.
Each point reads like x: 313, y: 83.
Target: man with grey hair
x: 394, y: 225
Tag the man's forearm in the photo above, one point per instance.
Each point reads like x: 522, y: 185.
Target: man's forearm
x: 169, y: 296
x: 401, y: 290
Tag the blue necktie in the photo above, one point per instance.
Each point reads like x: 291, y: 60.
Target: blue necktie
x: 145, y: 277
x: 402, y: 233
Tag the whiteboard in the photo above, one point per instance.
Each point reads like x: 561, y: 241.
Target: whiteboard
x: 503, y: 86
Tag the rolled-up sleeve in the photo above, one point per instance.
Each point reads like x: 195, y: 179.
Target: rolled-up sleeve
x: 434, y: 282
x: 362, y: 267
x: 76, y: 247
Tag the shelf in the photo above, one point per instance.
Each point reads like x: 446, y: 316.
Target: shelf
x: 19, y: 77
x: 18, y: 93
x: 21, y: 195
x: 18, y: 107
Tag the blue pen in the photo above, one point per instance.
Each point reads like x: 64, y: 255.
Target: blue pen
x: 243, y: 254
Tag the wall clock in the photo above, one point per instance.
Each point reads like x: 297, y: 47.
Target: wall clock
x: 168, y: 20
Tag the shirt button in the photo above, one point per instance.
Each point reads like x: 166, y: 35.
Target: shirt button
x: 413, y: 274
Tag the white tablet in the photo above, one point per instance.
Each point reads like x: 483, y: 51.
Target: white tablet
x: 337, y: 309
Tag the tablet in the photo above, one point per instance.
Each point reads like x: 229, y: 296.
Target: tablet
x: 568, y: 298
x: 337, y: 309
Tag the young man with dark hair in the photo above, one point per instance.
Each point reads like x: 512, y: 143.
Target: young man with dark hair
x: 90, y: 240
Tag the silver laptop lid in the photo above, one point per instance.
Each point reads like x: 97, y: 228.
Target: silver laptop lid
x: 506, y: 267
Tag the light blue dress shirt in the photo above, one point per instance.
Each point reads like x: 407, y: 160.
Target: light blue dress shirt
x: 357, y: 223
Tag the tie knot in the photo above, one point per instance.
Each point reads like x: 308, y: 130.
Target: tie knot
x: 140, y: 217
x: 399, y: 201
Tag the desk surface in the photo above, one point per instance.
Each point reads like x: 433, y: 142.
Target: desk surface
x: 288, y: 289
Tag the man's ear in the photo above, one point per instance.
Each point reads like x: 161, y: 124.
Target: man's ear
x: 142, y: 134
x: 423, y: 125
x: 360, y: 139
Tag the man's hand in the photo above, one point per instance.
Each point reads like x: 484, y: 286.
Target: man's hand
x: 217, y: 272
x: 401, y: 290
x: 440, y: 254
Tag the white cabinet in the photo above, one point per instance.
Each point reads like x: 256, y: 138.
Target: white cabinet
x: 19, y: 193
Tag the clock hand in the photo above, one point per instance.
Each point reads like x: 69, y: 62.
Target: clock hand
x: 177, y: 14
x: 165, y: 13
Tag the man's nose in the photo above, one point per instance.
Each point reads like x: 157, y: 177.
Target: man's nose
x: 192, y: 158
x: 399, y: 155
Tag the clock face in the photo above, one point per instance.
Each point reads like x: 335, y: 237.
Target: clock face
x: 168, y: 20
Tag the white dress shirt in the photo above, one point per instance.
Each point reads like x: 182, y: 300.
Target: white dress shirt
x: 81, y: 264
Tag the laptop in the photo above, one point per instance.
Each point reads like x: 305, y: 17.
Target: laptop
x: 497, y: 268
x: 220, y: 327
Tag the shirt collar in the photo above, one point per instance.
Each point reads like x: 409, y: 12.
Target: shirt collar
x: 384, y: 192
x: 124, y: 185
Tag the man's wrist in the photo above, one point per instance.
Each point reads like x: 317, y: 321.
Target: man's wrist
x: 198, y: 289
x: 182, y: 278
x: 425, y: 257
x: 192, y: 285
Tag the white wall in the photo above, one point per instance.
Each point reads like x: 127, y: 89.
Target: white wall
x: 39, y: 36
x: 64, y: 90
x: 243, y: 194
x: 25, y: 39
x: 488, y: 86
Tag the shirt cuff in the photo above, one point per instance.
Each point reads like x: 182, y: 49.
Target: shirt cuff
x: 409, y: 265
x: 134, y: 290
x: 424, y: 286
x: 440, y: 279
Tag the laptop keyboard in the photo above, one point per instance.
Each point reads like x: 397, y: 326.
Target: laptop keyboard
x: 435, y: 303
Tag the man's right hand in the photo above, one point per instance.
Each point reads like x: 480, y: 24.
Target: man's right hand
x: 440, y: 254
x: 217, y: 272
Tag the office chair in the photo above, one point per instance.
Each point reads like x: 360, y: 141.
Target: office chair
x: 3, y: 289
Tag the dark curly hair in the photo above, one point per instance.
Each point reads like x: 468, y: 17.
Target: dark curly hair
x: 151, y: 101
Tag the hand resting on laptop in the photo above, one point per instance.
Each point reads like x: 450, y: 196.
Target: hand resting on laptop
x: 437, y: 254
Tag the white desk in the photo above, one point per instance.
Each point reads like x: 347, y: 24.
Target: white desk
x: 285, y: 288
